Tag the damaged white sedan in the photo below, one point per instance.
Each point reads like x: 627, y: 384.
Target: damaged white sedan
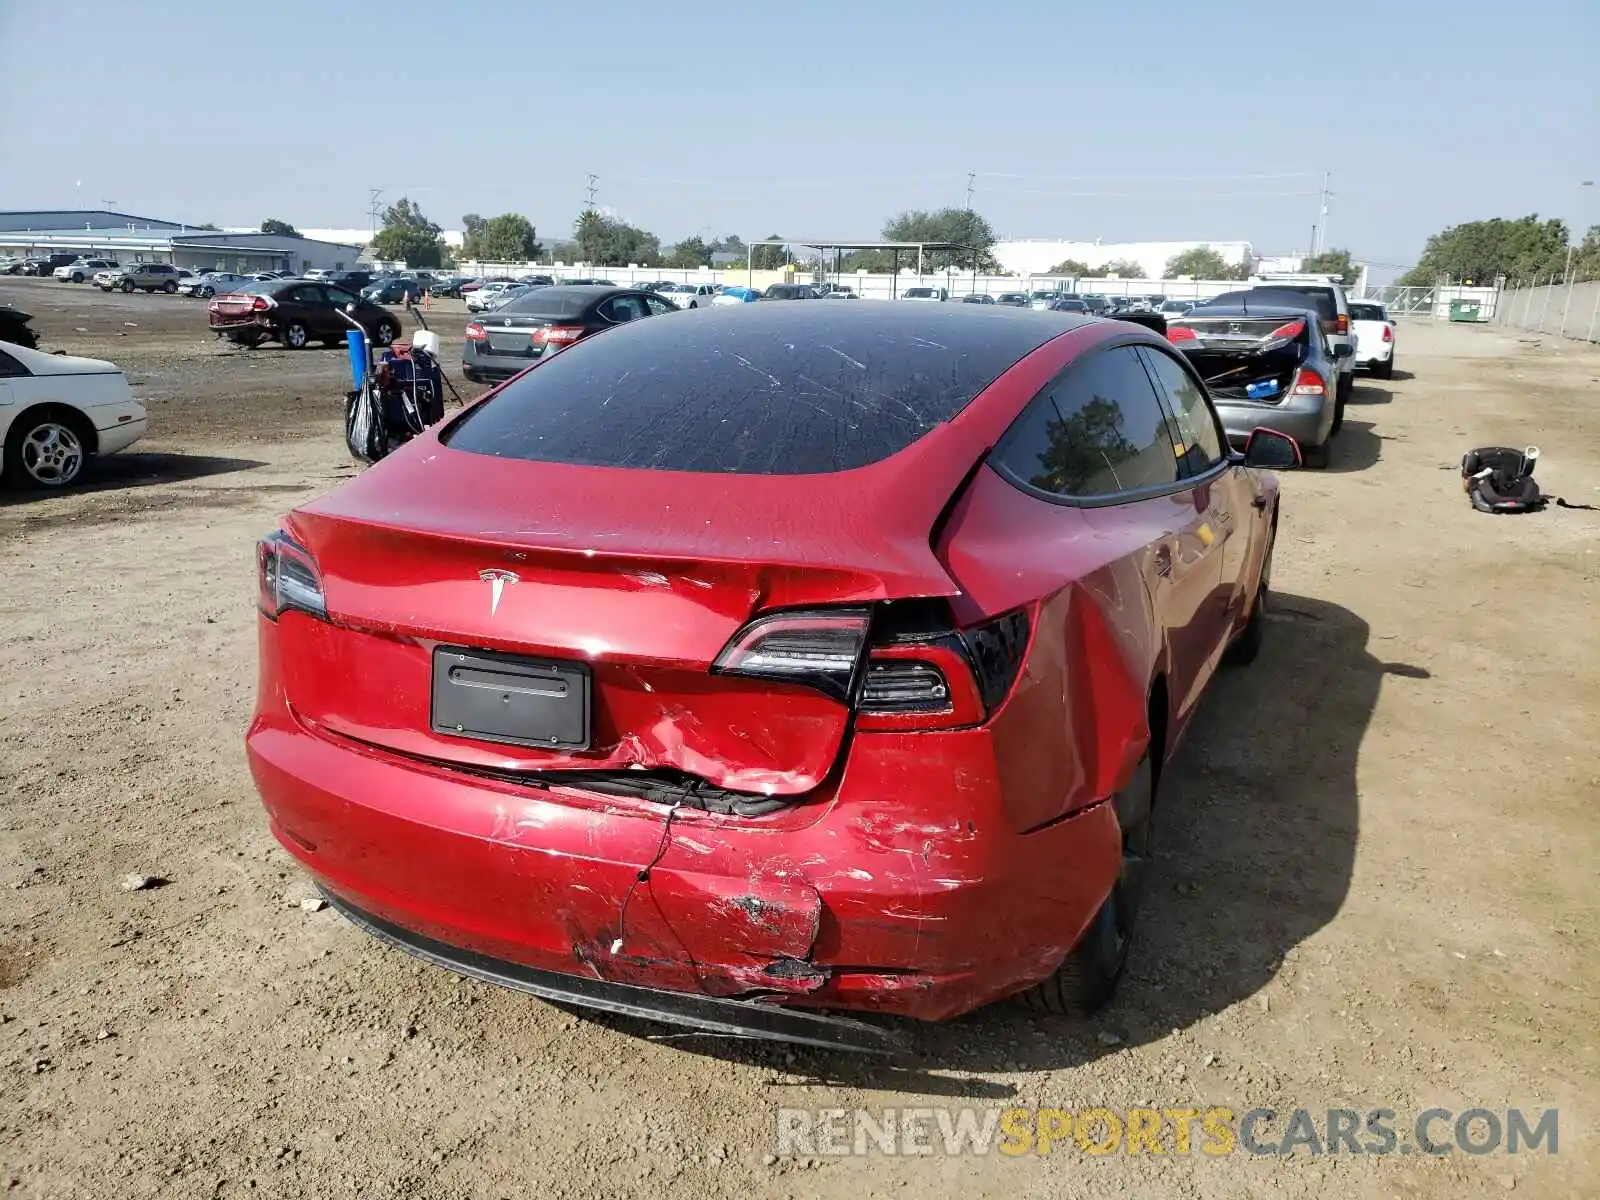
x: 58, y: 412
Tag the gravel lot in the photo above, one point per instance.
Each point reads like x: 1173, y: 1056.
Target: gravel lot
x: 1377, y: 882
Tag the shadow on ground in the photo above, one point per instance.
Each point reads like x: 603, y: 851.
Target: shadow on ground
x: 1355, y: 447
x: 119, y: 471
x: 1257, y: 826
x: 1370, y: 393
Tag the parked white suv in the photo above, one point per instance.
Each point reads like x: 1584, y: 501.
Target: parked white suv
x: 84, y: 268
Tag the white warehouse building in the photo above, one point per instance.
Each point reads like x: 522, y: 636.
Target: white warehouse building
x: 1037, y: 256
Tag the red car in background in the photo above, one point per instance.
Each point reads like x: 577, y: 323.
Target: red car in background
x: 788, y: 659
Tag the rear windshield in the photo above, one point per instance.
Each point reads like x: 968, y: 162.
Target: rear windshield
x: 757, y: 390
x: 1318, y: 299
x: 549, y: 302
x: 1367, y: 312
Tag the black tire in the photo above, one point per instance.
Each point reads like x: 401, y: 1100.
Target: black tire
x: 170, y: 287
x: 295, y: 336
x: 77, y: 277
x: 35, y: 456
x: 249, y: 340
x: 127, y: 287
x: 1089, y: 974
x: 1384, y: 370
x: 1247, y: 646
x: 385, y: 333
x: 1338, y: 417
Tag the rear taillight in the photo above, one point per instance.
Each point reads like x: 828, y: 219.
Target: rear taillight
x: 1388, y: 334
x: 1181, y: 333
x: 1339, y: 324
x: 287, y: 578
x: 1308, y: 383
x: 559, y: 335
x: 260, y: 304
x: 930, y: 678
x: 475, y: 333
x: 1291, y: 330
x: 819, y: 648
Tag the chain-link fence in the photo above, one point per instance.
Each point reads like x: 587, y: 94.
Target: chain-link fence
x: 1564, y: 309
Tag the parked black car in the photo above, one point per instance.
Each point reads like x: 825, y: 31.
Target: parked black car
x: 1069, y: 306
x: 393, y: 290
x: 297, y: 312
x: 351, y: 281
x: 509, y: 340
x: 46, y: 267
x: 1266, y: 365
x: 790, y: 291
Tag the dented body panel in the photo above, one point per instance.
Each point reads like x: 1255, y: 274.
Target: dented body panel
x: 919, y: 864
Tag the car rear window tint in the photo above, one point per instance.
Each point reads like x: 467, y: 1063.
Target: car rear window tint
x: 753, y: 389
x: 1097, y: 430
x: 1321, y: 300
x: 550, y: 302
x: 1367, y: 312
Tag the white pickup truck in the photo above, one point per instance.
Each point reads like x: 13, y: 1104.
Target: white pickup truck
x: 1374, y: 336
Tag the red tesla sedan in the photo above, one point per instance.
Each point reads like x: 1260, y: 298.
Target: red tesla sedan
x: 738, y: 669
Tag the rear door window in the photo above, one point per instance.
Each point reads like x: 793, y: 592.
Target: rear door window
x: 1196, y: 434
x: 624, y: 308
x: 1099, y: 430
x: 659, y: 307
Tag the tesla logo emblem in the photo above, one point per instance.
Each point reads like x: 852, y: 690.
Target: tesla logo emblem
x: 497, y: 581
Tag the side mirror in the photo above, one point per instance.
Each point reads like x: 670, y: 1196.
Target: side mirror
x: 1343, y: 350
x: 1269, y: 449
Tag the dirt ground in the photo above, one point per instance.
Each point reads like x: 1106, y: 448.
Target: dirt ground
x: 1376, y: 884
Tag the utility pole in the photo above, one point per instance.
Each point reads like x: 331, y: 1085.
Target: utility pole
x: 374, y: 207
x: 1321, y: 238
x: 594, y: 186
x: 1577, y: 231
x: 971, y: 177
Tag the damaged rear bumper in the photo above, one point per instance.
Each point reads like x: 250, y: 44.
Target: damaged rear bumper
x: 709, y: 1014
x: 902, y: 889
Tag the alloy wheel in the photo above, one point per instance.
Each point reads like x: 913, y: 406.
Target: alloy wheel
x: 52, y: 454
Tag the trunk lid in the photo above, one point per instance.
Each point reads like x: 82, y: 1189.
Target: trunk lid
x: 634, y: 580
x: 1240, y: 359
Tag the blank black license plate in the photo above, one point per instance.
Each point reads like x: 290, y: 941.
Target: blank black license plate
x: 508, y: 698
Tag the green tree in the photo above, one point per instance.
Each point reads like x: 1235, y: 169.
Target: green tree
x: 689, y: 253
x: 508, y: 238
x: 408, y: 236
x: 732, y: 244
x: 1069, y: 266
x: 1586, y: 256
x: 1202, y: 262
x: 1332, y: 262
x: 769, y: 258
x: 1522, y: 250
x: 1122, y: 268
x: 961, y: 226
x: 281, y: 228
x: 606, y: 241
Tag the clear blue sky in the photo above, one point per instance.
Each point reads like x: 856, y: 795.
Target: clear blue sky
x: 1144, y: 120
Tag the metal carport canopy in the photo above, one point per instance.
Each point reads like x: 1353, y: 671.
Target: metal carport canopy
x: 825, y: 245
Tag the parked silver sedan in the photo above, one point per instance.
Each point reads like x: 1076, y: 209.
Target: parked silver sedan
x: 208, y: 283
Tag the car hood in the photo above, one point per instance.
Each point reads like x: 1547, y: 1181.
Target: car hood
x: 40, y: 363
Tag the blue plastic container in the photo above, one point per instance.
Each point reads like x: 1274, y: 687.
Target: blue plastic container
x: 357, y: 341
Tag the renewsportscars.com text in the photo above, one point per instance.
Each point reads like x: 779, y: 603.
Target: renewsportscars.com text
x: 1211, y: 1131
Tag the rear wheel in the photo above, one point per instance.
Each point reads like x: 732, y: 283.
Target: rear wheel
x: 295, y: 336
x: 127, y: 286
x: 1338, y: 416
x: 77, y: 277
x: 1247, y: 645
x: 170, y: 287
x: 47, y: 448
x: 206, y: 293
x: 385, y: 333
x: 1384, y: 369
x: 1088, y: 975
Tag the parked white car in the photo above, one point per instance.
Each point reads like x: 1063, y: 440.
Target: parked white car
x: 689, y: 295
x: 925, y: 294
x: 84, y: 268
x: 1375, y: 334
x: 485, y: 298
x: 211, y: 283
x: 58, y: 412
